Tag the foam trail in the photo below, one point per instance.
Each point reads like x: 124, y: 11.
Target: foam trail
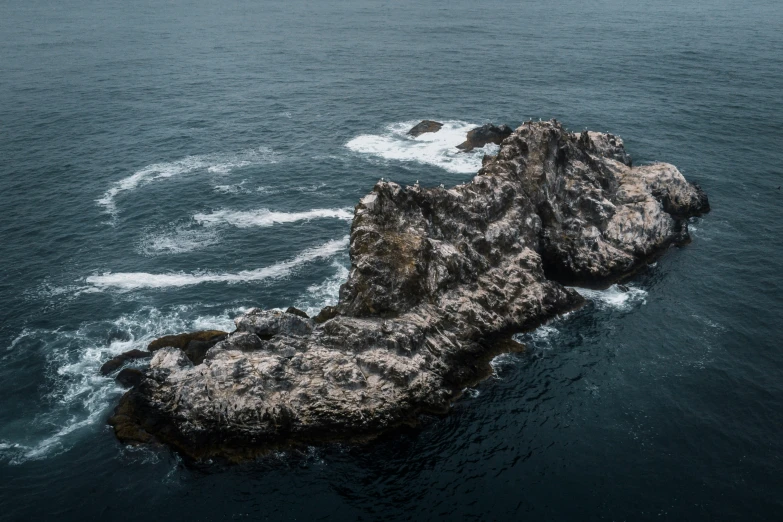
x: 431, y: 148
x: 266, y: 218
x: 77, y: 394
x: 177, y: 241
x: 126, y: 281
x: 213, y: 163
x: 615, y: 297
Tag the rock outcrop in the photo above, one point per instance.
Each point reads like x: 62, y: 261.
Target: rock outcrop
x: 119, y: 360
x: 425, y: 126
x: 439, y: 278
x: 194, y: 345
x: 488, y: 133
x: 129, y: 377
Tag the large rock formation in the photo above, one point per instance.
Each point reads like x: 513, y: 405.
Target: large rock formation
x: 438, y: 277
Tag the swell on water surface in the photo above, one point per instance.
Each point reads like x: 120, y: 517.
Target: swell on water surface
x: 127, y: 281
x: 431, y: 148
x: 218, y: 163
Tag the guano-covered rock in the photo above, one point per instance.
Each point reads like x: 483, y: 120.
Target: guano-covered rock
x: 438, y: 277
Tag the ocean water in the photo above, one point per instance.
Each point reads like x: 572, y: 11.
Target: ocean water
x: 165, y: 166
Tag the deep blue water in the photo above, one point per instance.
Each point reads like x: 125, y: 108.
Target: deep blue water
x: 165, y: 165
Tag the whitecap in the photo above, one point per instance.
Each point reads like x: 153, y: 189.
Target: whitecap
x: 22, y: 335
x: 220, y: 163
x: 236, y: 188
x: 266, y: 218
x: 126, y: 281
x: 615, y: 297
x: 431, y: 148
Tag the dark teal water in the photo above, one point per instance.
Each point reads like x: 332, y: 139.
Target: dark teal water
x: 165, y: 165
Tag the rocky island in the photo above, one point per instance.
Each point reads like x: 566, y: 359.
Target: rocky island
x: 440, y: 277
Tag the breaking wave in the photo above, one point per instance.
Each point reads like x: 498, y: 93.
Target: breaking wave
x: 127, y: 281
x: 77, y: 396
x: 212, y: 163
x: 265, y: 218
x: 325, y: 293
x: 618, y: 297
x: 431, y: 148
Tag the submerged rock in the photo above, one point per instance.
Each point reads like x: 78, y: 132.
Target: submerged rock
x: 488, y: 133
x: 181, y: 341
x: 117, y: 361
x: 425, y: 126
x: 439, y: 277
x: 194, y: 345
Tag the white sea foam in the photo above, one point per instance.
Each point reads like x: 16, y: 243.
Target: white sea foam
x: 177, y: 240
x: 235, y: 188
x: 615, y: 297
x: 544, y: 333
x: 325, y: 293
x: 266, y: 218
x: 213, y: 163
x: 77, y: 395
x: 314, y: 187
x: 501, y: 362
x: 471, y: 393
x: 126, y: 281
x: 432, y: 148
x: 542, y: 338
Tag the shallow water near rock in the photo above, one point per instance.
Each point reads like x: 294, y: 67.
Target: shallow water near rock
x: 165, y: 168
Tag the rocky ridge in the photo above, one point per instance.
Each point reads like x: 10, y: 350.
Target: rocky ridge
x: 439, y: 278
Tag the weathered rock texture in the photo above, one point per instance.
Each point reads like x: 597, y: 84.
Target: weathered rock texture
x: 425, y: 126
x: 438, y: 276
x: 488, y: 133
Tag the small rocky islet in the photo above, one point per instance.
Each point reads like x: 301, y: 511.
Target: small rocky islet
x: 440, y: 278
